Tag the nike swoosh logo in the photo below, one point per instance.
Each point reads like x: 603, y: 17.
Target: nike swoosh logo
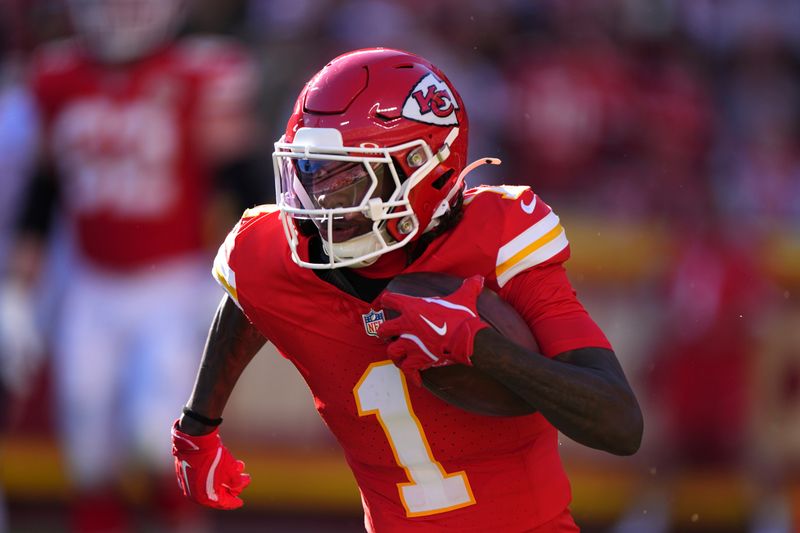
x: 184, y: 466
x: 528, y: 208
x: 416, y: 340
x: 440, y: 330
x: 210, y: 491
x: 449, y: 305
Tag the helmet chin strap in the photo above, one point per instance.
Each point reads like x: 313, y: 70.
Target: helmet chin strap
x: 445, y: 205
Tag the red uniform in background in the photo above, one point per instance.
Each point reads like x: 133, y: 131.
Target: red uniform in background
x: 133, y: 150
x: 703, y: 372
x: 413, y: 455
x: 574, y: 105
x: 125, y: 144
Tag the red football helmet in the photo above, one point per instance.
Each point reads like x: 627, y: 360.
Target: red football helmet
x: 118, y: 31
x: 373, y: 154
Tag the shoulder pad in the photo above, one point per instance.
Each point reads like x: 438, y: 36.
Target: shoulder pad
x: 222, y: 271
x: 259, y: 210
x: 530, y: 233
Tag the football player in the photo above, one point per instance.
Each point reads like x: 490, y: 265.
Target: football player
x: 370, y: 179
x: 136, y: 126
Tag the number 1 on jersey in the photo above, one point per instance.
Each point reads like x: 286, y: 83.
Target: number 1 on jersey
x: 382, y: 391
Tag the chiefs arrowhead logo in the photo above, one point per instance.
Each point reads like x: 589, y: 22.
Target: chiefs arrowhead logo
x: 431, y: 101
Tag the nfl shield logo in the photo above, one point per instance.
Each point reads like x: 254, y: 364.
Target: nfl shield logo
x: 372, y: 322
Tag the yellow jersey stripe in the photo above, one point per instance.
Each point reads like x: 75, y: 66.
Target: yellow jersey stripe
x: 524, y: 239
x: 529, y: 249
x: 540, y: 255
x: 225, y: 285
x: 223, y: 273
x: 259, y: 210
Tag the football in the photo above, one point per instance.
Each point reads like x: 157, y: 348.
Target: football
x: 465, y: 386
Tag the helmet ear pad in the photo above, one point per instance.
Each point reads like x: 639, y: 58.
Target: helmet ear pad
x: 426, y: 197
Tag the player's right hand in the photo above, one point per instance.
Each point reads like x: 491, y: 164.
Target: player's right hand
x: 207, y: 472
x: 432, y: 331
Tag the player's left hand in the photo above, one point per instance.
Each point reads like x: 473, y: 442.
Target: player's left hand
x: 207, y: 472
x: 433, y: 331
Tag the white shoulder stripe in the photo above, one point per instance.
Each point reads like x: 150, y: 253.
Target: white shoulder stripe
x: 535, y: 245
x: 524, y: 239
x: 540, y: 255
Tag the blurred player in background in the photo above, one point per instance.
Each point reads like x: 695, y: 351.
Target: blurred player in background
x: 715, y: 297
x: 20, y: 345
x: 18, y: 143
x: 370, y: 173
x: 147, y: 141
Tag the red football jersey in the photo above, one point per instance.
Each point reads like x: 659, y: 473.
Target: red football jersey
x: 415, y: 457
x: 124, y: 144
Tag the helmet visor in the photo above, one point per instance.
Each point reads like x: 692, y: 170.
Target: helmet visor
x: 335, y: 192
x: 339, y: 184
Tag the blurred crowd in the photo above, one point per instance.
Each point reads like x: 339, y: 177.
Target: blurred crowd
x: 676, y: 120
x: 629, y: 109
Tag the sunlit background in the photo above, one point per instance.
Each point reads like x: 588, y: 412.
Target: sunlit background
x: 666, y: 135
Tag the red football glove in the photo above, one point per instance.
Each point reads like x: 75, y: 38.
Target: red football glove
x: 434, y: 331
x: 207, y: 472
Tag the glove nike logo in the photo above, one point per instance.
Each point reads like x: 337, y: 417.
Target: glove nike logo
x: 440, y: 330
x: 416, y: 340
x: 210, y: 490
x: 184, y: 466
x: 449, y: 305
x: 529, y: 207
